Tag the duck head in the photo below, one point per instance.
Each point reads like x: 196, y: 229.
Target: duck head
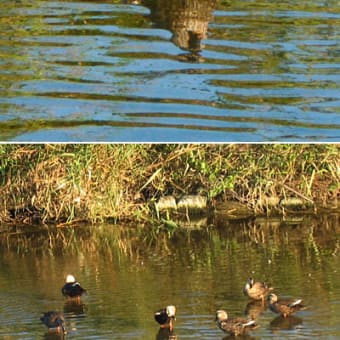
x: 171, y: 311
x: 70, y: 279
x: 272, y: 298
x: 248, y: 285
x: 221, y: 315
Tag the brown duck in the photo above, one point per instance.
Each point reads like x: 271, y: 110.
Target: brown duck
x: 234, y: 326
x: 54, y: 321
x: 256, y: 290
x: 284, y: 307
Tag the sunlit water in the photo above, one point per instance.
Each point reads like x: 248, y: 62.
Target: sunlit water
x: 130, y: 274
x: 169, y: 71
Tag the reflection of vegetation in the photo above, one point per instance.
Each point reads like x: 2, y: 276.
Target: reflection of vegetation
x: 72, y: 183
x: 275, y: 239
x: 282, y: 255
x: 187, y: 20
x: 16, y: 63
x: 197, y: 269
x: 222, y: 256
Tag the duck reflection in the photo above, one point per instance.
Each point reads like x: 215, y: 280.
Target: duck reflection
x: 254, y: 309
x: 244, y: 337
x: 166, y: 334
x: 187, y: 20
x: 287, y: 323
x: 74, y: 307
x: 54, y: 336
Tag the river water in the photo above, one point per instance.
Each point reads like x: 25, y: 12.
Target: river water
x: 131, y: 272
x: 154, y: 70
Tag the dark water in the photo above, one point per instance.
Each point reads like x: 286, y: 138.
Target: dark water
x: 169, y: 70
x: 130, y: 273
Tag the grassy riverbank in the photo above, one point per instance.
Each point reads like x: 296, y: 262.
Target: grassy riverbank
x: 92, y: 183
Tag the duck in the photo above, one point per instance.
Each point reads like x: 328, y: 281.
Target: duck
x: 234, y: 326
x: 284, y: 307
x: 256, y: 290
x: 54, y: 321
x: 72, y: 289
x: 166, y: 317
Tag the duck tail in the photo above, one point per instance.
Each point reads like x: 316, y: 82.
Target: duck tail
x: 295, y: 303
x: 249, y: 323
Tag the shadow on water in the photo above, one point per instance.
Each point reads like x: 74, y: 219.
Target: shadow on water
x: 155, y: 70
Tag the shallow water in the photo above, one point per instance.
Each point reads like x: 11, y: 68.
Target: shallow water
x: 169, y: 71
x: 130, y: 273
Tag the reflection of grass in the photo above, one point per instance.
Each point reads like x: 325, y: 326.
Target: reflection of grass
x: 271, y: 240
x: 71, y: 183
x: 282, y: 256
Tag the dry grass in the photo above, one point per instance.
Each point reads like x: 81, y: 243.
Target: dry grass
x: 68, y: 183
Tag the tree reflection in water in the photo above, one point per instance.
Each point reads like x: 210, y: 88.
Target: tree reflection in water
x: 187, y: 21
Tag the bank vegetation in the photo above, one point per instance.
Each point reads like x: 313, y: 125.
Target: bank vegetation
x: 67, y: 183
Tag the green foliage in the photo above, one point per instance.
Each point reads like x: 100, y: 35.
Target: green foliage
x: 72, y: 182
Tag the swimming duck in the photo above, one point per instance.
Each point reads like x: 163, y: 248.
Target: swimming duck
x: 256, y: 290
x: 166, y: 317
x: 234, y: 326
x: 284, y: 307
x: 54, y: 321
x: 72, y: 289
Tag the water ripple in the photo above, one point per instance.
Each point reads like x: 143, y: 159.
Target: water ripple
x: 82, y: 71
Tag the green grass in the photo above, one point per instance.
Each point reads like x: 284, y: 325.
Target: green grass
x: 67, y: 183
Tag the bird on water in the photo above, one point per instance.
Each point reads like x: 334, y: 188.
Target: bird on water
x: 166, y: 317
x: 72, y: 289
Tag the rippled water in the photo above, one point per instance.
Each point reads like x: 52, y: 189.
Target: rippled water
x: 130, y: 274
x: 169, y: 71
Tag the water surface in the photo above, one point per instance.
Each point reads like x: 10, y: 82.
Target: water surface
x: 169, y: 71
x: 131, y: 272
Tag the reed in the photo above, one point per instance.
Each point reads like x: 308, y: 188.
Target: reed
x: 67, y: 183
